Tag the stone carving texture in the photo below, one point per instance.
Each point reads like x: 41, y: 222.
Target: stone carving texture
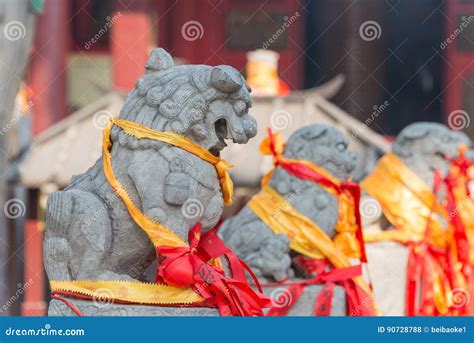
x: 269, y: 254
x: 89, y: 233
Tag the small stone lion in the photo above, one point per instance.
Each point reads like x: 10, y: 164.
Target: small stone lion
x: 267, y: 253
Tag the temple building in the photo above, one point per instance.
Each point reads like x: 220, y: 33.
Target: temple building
x: 368, y: 81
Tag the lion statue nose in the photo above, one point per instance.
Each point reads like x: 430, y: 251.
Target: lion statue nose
x: 241, y: 129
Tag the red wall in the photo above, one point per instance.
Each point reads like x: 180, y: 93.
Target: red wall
x: 212, y: 47
x: 459, y: 63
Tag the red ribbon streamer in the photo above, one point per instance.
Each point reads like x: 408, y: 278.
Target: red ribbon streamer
x: 356, y: 298
x: 302, y: 171
x: 190, y: 267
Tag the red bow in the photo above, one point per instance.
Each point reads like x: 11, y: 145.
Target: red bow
x: 359, y: 303
x: 190, y: 267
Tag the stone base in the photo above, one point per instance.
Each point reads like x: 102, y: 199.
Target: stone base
x: 387, y: 270
x: 90, y: 308
x: 305, y: 304
x: 303, y: 307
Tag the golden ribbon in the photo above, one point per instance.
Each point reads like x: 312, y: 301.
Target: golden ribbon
x: 407, y: 202
x: 410, y: 205
x: 346, y: 226
x: 186, y: 144
x: 129, y: 291
x: 306, y: 237
x: 279, y: 149
x: 159, y: 234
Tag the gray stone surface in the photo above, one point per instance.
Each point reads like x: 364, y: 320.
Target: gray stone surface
x: 423, y: 147
x: 305, y: 304
x: 89, y: 233
x: 268, y: 254
x: 93, y: 308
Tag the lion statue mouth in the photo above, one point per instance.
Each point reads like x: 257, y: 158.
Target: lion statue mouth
x: 222, y: 133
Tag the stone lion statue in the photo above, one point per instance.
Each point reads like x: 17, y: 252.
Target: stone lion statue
x: 89, y: 233
x: 424, y: 148
x: 267, y: 253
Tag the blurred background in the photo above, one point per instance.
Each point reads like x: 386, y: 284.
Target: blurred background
x: 370, y: 67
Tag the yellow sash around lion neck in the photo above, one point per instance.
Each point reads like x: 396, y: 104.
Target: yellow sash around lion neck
x: 306, y: 237
x: 159, y: 234
x: 407, y: 202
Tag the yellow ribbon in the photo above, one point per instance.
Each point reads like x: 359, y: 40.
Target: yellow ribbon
x: 406, y: 201
x: 279, y: 149
x: 159, y: 234
x: 409, y: 204
x: 346, y: 226
x: 172, y: 138
x: 129, y: 291
x: 306, y: 237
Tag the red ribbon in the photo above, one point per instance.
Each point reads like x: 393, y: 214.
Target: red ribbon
x: 303, y: 171
x: 460, y: 237
x: 461, y: 240
x: 358, y: 302
x: 190, y: 267
x: 422, y: 258
x: 463, y: 164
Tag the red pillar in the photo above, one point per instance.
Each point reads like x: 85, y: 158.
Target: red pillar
x: 48, y: 65
x: 131, y: 40
x: 33, y: 275
x: 47, y: 80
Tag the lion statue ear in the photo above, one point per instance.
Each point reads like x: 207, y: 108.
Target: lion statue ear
x: 402, y: 146
x: 159, y: 59
x: 317, y: 133
x: 226, y: 79
x: 300, y: 141
x: 415, y: 132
